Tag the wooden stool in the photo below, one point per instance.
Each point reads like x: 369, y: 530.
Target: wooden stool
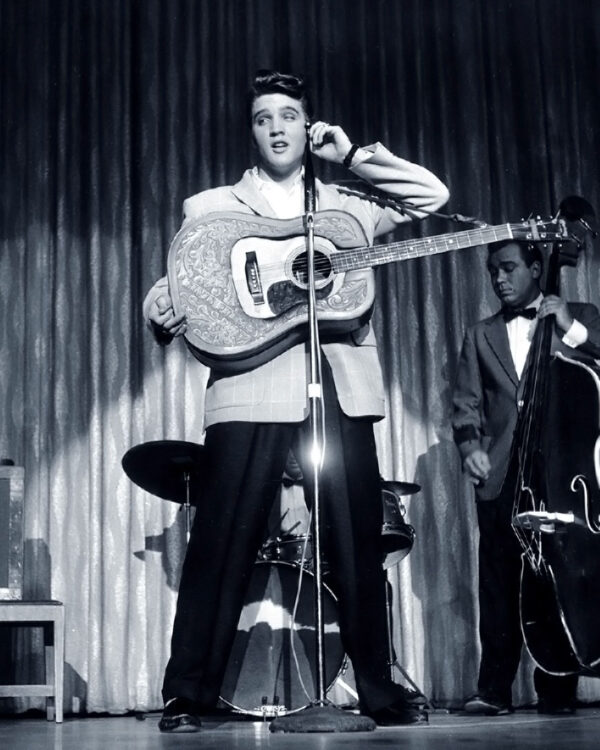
x: 51, y: 616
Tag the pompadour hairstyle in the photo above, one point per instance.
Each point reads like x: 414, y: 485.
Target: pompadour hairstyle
x: 274, y: 82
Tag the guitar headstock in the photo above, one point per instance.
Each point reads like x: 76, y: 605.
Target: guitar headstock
x: 579, y: 218
x: 538, y: 230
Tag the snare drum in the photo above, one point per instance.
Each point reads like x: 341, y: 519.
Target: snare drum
x: 262, y: 678
x: 290, y: 549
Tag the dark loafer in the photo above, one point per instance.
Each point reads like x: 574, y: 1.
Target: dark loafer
x: 180, y: 715
x: 482, y: 706
x: 398, y: 713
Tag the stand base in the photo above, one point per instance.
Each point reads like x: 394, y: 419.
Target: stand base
x: 328, y: 718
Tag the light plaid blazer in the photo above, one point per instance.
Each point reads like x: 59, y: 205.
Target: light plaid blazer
x: 276, y: 391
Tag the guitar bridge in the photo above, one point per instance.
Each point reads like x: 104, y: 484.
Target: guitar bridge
x: 253, y: 279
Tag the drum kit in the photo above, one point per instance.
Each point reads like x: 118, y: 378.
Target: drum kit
x: 271, y: 668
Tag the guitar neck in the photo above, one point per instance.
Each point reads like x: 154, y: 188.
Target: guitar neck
x: 367, y: 257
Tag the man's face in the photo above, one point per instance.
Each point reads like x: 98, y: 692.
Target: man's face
x: 515, y: 283
x: 279, y: 134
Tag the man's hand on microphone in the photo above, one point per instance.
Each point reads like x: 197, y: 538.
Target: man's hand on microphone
x: 329, y: 142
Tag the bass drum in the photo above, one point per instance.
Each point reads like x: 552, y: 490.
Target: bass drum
x: 262, y: 677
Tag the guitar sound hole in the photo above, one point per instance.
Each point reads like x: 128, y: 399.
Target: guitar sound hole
x: 300, y: 268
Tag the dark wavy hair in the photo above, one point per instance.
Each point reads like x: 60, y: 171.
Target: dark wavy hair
x: 530, y: 251
x: 274, y: 82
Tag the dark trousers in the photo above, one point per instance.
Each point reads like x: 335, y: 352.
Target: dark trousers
x: 499, y: 618
x: 246, y: 463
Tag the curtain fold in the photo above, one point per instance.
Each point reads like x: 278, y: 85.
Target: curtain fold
x: 113, y: 112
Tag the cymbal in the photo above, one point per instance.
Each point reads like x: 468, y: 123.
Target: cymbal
x: 401, y: 488
x: 160, y: 466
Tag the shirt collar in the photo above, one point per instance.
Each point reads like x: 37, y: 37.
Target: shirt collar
x: 537, y: 301
x: 268, y: 184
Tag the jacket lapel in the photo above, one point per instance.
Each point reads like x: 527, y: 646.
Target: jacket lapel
x: 247, y: 192
x: 497, y: 338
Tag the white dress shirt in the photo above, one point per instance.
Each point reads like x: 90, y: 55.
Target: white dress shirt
x: 520, y: 332
x: 289, y: 202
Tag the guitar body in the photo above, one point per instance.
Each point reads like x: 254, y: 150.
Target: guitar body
x: 241, y: 281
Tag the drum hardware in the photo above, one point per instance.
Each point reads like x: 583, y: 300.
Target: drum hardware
x: 288, y: 548
x: 398, y: 540
x: 416, y: 695
x: 398, y: 536
x: 261, y: 678
x: 169, y: 469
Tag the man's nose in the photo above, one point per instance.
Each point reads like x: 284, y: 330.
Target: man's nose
x: 276, y: 125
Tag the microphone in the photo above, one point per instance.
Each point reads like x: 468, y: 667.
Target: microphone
x: 310, y: 200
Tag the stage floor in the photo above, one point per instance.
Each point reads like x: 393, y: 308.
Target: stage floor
x: 524, y: 729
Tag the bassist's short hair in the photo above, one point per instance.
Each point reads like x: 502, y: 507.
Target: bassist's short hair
x: 530, y: 251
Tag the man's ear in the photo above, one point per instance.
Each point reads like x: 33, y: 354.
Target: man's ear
x: 536, y: 269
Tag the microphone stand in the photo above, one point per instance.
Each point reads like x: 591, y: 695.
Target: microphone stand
x: 321, y: 715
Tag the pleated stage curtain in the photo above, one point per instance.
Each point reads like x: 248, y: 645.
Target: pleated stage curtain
x: 114, y: 111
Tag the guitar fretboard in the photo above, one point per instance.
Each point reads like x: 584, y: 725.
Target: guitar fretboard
x: 366, y: 257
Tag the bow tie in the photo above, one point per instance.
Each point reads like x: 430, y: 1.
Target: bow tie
x: 510, y: 313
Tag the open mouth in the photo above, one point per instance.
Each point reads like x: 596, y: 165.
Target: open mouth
x: 279, y: 146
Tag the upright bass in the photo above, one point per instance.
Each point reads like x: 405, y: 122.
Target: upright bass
x: 556, y: 512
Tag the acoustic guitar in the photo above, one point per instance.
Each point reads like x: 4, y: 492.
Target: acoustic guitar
x: 241, y: 279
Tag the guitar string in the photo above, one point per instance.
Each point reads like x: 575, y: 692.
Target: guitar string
x: 375, y: 255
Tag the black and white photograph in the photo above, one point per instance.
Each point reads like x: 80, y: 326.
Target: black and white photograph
x: 299, y: 374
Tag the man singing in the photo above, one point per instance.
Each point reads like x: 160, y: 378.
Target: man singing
x: 253, y: 419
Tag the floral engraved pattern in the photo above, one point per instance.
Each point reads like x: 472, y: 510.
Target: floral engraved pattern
x: 352, y: 295
x: 216, y: 321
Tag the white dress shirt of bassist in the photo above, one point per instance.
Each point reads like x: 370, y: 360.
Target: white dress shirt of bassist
x: 276, y: 390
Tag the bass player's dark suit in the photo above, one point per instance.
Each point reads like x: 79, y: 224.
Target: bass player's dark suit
x: 485, y: 416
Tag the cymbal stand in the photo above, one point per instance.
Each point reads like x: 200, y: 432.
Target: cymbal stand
x: 392, y: 659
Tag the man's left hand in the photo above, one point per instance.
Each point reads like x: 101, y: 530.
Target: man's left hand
x: 553, y: 305
x: 329, y: 142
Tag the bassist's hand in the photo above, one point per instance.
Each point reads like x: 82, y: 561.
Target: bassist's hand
x: 477, y: 466
x: 553, y: 305
x: 163, y: 319
x: 329, y: 142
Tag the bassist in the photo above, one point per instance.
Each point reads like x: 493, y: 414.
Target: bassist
x: 490, y: 372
